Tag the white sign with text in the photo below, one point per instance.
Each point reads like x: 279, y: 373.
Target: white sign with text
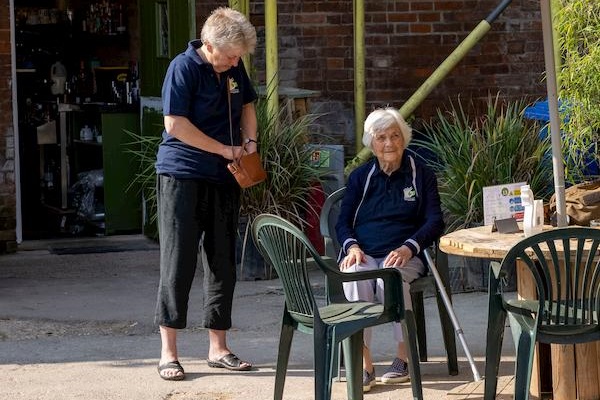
x: 502, y: 201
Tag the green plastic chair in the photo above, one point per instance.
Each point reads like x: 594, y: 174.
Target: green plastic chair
x: 567, y: 305
x: 328, y: 219
x: 289, y: 251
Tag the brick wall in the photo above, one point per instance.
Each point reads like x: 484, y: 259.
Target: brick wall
x: 405, y: 42
x: 7, y: 137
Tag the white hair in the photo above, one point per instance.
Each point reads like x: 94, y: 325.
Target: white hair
x: 382, y: 119
x: 227, y: 28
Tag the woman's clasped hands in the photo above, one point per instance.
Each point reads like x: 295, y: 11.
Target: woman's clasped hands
x: 398, y: 257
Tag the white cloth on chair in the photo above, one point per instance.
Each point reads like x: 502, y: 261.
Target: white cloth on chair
x: 368, y: 290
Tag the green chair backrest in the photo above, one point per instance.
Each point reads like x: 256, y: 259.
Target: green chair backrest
x: 568, y: 287
x: 328, y: 218
x: 286, y: 248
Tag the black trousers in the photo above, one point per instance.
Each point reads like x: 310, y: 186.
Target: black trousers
x: 190, y: 211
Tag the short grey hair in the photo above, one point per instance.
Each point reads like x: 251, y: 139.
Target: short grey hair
x: 382, y: 119
x: 229, y: 28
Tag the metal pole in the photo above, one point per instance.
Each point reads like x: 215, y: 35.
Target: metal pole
x: 455, y: 323
x: 557, y: 157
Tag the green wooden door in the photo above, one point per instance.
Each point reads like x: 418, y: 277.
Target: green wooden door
x: 122, y: 199
x: 166, y: 26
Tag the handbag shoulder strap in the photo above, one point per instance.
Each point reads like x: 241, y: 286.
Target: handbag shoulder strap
x: 229, y: 112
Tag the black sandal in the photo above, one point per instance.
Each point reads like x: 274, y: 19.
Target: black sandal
x: 231, y: 362
x: 171, y: 365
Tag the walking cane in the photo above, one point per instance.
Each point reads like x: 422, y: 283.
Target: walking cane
x: 455, y: 323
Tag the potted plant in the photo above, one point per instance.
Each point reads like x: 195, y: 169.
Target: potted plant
x: 468, y: 153
x: 291, y: 178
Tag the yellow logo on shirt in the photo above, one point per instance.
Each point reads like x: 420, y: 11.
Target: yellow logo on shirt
x: 410, y: 194
x: 233, y: 86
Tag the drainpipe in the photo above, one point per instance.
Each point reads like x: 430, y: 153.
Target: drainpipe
x: 15, y: 123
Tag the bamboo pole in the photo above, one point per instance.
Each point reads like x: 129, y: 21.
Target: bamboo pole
x: 554, y: 7
x: 437, y: 76
x: 271, y: 52
x: 359, y: 71
x: 243, y: 6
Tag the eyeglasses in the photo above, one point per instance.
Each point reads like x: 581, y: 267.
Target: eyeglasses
x: 381, y: 139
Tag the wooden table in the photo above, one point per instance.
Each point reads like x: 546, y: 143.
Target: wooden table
x: 565, y: 372
x: 297, y: 100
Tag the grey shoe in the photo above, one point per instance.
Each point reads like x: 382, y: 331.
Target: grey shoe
x: 368, y: 380
x: 396, y: 373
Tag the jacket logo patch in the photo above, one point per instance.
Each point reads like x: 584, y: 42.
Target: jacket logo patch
x: 410, y: 194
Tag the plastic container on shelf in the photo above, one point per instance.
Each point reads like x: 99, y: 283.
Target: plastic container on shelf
x: 86, y: 133
x: 58, y: 74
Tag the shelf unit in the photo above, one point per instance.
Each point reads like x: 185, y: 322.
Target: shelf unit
x: 52, y: 167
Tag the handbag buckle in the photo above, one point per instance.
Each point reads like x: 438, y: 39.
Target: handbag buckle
x: 233, y: 167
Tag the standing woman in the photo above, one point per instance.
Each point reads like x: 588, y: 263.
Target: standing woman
x: 198, y: 198
x: 390, y: 212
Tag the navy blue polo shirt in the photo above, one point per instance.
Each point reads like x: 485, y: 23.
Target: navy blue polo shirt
x: 380, y: 212
x: 389, y: 209
x: 192, y: 89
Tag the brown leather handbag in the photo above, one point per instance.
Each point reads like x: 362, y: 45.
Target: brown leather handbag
x: 247, y: 170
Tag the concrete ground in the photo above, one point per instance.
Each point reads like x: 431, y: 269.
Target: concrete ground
x: 80, y: 326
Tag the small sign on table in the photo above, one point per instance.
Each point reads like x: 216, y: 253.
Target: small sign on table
x: 501, y: 202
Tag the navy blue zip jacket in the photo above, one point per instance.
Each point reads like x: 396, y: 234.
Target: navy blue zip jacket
x: 381, y: 213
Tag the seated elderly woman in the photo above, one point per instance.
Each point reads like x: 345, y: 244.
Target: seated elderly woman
x: 390, y: 213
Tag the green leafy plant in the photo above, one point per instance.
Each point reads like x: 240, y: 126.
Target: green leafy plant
x: 291, y: 173
x: 287, y: 160
x: 145, y: 179
x: 143, y: 148
x: 577, y: 24
x: 469, y: 153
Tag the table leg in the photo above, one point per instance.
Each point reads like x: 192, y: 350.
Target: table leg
x: 564, y: 386
x: 598, y: 355
x: 586, y: 361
